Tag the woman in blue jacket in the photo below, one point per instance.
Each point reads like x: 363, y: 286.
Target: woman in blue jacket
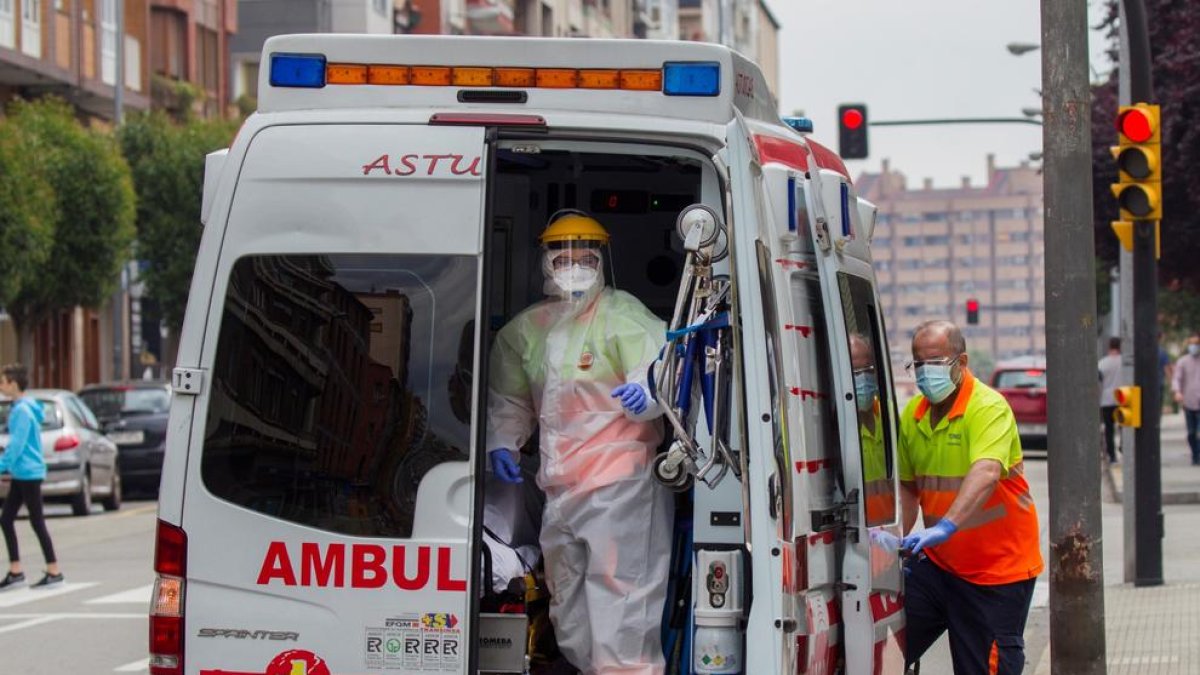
x: 23, y: 460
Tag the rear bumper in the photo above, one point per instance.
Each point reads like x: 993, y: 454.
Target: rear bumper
x: 1032, y: 433
x: 64, y: 481
x: 141, y: 465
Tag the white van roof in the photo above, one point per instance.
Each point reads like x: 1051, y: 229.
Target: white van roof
x: 740, y: 84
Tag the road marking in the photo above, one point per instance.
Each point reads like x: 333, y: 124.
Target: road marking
x: 124, y: 513
x: 78, y: 615
x: 139, y: 666
x: 29, y: 623
x: 140, y: 596
x: 24, y: 595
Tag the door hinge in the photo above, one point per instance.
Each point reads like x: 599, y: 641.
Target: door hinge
x: 187, y: 381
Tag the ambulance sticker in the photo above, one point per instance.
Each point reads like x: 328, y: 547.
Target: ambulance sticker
x: 415, y: 643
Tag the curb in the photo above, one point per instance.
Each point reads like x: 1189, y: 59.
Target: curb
x: 1112, y: 493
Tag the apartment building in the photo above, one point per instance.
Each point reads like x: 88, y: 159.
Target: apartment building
x: 747, y: 26
x: 936, y: 248
x: 69, y: 48
x: 189, y: 43
x: 259, y: 19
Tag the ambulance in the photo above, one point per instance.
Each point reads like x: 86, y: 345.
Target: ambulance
x: 372, y: 226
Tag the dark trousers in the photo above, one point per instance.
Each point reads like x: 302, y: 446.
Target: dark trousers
x: 28, y: 492
x: 1192, y: 417
x: 1110, y: 442
x: 986, y: 623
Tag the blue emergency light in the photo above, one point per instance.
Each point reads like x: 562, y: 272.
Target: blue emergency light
x: 298, y: 70
x: 691, y: 78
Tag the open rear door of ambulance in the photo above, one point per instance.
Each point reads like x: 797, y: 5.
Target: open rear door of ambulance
x: 870, y: 575
x: 330, y: 490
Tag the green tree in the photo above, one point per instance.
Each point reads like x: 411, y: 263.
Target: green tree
x: 167, y: 159
x: 28, y: 216
x: 95, y: 202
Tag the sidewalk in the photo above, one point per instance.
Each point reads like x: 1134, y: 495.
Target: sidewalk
x: 1180, y: 480
x: 1154, y: 630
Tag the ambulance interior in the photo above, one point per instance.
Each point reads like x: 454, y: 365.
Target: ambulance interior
x: 637, y: 192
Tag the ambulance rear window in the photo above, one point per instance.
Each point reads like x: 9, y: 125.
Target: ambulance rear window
x: 339, y: 381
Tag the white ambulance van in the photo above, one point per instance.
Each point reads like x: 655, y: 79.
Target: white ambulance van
x: 371, y: 227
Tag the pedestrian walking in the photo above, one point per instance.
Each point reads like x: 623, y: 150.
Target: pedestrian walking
x: 23, y: 460
x: 1185, y: 385
x: 1110, y: 379
x: 971, y: 571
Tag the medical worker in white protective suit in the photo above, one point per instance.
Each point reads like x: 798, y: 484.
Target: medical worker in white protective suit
x: 575, y: 366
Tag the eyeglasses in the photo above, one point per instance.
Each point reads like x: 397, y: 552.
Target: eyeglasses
x: 868, y: 370
x: 943, y: 361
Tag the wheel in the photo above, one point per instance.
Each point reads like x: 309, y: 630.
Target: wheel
x: 665, y: 471
x: 81, y: 504
x: 113, y: 501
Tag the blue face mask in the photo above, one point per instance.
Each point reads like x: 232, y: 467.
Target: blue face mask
x: 1194, y: 350
x: 865, y: 390
x: 935, y: 382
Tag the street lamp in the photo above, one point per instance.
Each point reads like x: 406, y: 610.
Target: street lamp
x: 1019, y: 48
x: 1031, y: 112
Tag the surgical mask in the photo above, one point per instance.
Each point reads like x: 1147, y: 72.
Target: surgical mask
x: 935, y: 382
x: 865, y: 390
x: 1194, y: 350
x: 576, y: 279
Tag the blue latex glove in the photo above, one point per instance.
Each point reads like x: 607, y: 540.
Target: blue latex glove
x: 504, y: 466
x: 633, y: 397
x: 931, y: 536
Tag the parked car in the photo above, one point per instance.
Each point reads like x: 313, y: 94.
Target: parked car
x: 82, y: 464
x: 134, y: 416
x: 1022, y: 381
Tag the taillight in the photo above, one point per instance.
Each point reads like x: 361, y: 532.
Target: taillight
x: 166, y: 612
x: 66, y: 442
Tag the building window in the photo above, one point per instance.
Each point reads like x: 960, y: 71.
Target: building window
x: 207, y: 59
x: 168, y: 29
x: 31, y: 10
x: 937, y: 240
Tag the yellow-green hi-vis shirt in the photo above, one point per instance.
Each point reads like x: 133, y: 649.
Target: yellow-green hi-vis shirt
x: 999, y: 544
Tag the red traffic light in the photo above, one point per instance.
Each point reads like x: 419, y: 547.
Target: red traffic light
x: 852, y: 118
x: 972, y: 305
x: 1135, y: 125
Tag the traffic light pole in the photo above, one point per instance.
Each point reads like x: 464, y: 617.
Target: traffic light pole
x: 1148, y: 517
x: 1076, y: 561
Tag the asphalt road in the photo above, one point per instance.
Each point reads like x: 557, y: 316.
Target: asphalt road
x: 96, y: 621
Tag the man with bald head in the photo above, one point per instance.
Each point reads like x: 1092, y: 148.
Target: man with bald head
x: 973, y: 565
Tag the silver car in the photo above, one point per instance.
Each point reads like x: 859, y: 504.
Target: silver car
x: 81, y: 462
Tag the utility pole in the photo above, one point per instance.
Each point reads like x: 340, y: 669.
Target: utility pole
x: 1076, y: 557
x: 1146, y: 372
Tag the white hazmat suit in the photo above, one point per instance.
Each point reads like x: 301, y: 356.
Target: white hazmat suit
x: 606, y: 529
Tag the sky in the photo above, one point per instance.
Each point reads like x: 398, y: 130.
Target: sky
x: 919, y: 60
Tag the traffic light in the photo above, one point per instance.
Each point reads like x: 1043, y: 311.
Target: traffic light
x: 1139, y: 162
x: 1129, y: 406
x: 972, y: 311
x: 852, y: 131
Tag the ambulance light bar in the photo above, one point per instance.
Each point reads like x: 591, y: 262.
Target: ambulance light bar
x: 298, y: 70
x: 677, y: 78
x: 683, y: 78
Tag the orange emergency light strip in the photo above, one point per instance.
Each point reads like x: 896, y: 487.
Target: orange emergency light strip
x: 462, y: 76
